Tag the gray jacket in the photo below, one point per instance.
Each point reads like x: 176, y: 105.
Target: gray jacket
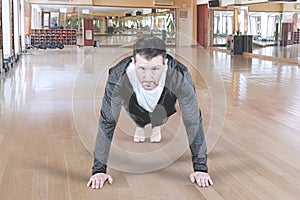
x: 118, y: 91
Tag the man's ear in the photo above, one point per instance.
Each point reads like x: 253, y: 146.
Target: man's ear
x: 166, y: 61
x: 133, y: 60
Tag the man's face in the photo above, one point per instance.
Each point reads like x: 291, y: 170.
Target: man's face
x: 150, y: 71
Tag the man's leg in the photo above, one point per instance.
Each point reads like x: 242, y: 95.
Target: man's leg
x: 139, y: 135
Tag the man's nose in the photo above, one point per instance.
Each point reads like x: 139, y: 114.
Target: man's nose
x: 148, y: 75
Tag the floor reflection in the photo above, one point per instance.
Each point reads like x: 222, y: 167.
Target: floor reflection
x: 251, y: 79
x: 290, y: 51
x: 43, y: 81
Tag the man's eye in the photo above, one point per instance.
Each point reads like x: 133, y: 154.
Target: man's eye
x: 142, y: 68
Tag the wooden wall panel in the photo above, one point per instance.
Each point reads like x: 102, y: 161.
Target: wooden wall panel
x: 72, y: 2
x: 118, y: 3
x: 127, y: 3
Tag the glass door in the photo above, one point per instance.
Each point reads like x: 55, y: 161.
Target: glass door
x: 265, y: 35
x: 222, y: 27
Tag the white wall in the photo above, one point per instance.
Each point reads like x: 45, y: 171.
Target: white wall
x: 202, y: 1
x: 185, y: 28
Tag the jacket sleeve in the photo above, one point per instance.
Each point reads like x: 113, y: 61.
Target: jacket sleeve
x: 192, y: 119
x: 109, y: 115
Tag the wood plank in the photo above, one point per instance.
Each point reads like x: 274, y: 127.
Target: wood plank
x: 57, y: 191
x: 44, y: 154
x: 271, y: 188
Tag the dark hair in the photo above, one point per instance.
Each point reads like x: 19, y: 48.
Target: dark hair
x: 150, y: 47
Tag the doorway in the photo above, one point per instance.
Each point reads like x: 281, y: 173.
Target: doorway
x: 202, y: 21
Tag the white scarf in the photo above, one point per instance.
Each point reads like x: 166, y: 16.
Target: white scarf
x: 147, y: 99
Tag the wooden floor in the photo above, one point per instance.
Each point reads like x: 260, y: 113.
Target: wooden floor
x: 49, y: 108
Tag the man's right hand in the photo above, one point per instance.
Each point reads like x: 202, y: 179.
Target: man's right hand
x: 97, y: 180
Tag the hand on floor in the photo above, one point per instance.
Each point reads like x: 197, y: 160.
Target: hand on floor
x: 97, y: 180
x: 202, y: 179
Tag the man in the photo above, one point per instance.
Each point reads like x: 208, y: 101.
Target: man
x: 148, y: 86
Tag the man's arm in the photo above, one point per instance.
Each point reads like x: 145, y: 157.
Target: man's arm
x: 192, y: 119
x: 109, y: 115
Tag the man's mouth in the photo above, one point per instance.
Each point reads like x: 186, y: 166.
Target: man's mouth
x: 149, y: 85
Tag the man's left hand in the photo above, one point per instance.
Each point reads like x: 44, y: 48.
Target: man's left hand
x: 202, y: 179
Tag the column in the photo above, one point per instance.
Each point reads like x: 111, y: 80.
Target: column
x: 16, y: 11
x: 6, y: 29
x: 22, y: 25
x: 240, y: 16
